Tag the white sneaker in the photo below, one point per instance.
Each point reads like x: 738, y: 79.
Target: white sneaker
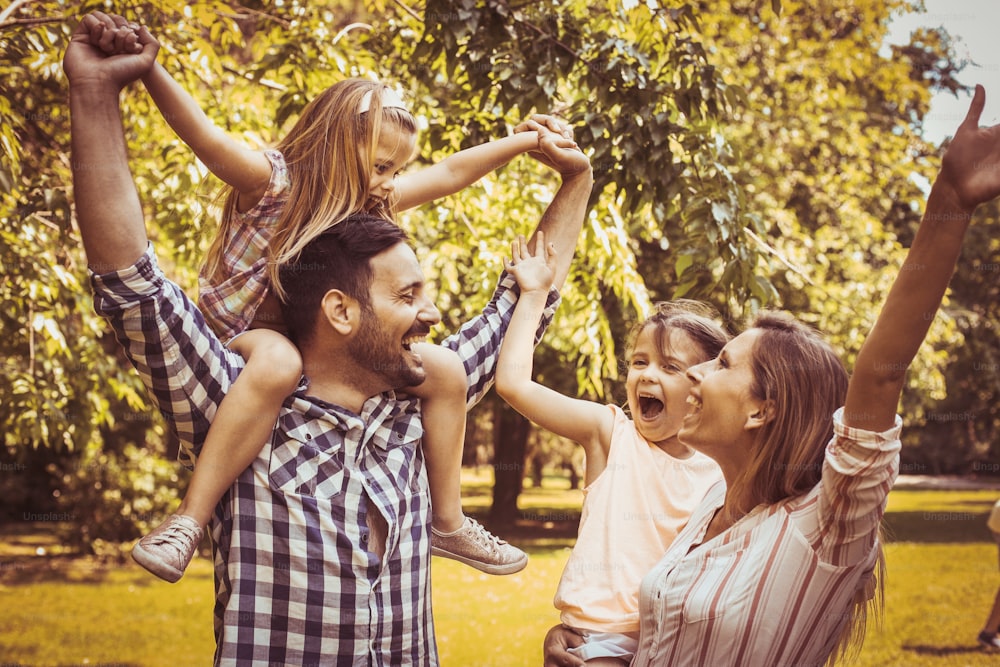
x: 167, y: 550
x: 475, y: 546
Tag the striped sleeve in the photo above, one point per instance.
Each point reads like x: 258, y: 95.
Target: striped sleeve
x: 858, y: 472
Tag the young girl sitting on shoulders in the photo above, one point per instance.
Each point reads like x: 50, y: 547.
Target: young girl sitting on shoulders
x: 343, y: 155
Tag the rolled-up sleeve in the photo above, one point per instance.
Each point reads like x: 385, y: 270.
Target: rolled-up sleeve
x: 858, y: 472
x: 478, y: 341
x: 183, y: 364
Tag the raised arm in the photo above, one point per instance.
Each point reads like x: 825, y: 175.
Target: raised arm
x: 247, y: 171
x: 457, y: 172
x: 108, y: 210
x: 587, y: 423
x: 969, y: 176
x: 563, y: 219
x: 478, y: 340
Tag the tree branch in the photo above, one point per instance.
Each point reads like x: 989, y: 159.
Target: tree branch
x: 256, y: 12
x: 415, y: 16
x: 5, y: 14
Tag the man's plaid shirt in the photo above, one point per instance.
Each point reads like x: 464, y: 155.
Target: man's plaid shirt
x: 296, y: 583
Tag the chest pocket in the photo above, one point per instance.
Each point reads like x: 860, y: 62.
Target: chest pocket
x: 298, y: 466
x: 397, y: 449
x: 720, y: 584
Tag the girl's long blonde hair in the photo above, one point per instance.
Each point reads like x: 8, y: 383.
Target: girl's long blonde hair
x: 329, y: 153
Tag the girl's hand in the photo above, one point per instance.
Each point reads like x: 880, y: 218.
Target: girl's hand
x: 534, y: 272
x: 562, y: 155
x: 539, y: 122
x: 555, y: 137
x: 112, y: 35
x: 556, y: 151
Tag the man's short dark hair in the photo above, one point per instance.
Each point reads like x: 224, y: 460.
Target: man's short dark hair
x: 340, y: 258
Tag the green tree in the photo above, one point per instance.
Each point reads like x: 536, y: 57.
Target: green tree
x: 960, y: 433
x: 645, y: 106
x: 636, y: 83
x: 739, y: 156
x: 833, y: 158
x: 64, y: 388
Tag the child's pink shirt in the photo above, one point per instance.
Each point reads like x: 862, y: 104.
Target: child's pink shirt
x: 631, y: 514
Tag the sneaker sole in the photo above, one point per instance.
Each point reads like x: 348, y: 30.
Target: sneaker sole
x: 154, y: 566
x: 510, y: 568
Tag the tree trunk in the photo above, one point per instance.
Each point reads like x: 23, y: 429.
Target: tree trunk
x: 510, y: 439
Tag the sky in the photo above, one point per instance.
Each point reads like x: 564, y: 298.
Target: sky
x: 975, y: 28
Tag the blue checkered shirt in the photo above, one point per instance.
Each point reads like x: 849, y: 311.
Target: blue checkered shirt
x: 296, y: 582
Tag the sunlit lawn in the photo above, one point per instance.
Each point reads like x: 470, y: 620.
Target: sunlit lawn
x: 60, y: 610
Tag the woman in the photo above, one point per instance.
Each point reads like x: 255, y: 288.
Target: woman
x: 777, y: 565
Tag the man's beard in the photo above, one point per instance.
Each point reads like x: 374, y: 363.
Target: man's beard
x: 373, y: 348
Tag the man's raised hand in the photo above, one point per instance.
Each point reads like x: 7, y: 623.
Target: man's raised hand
x: 106, y: 49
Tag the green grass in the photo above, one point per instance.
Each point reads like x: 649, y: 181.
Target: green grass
x: 64, y: 610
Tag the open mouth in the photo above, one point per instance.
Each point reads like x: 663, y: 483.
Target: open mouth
x: 650, y: 406
x: 412, y: 340
x: 694, y: 402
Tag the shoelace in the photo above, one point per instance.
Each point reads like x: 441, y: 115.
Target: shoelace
x: 171, y: 537
x: 491, y: 542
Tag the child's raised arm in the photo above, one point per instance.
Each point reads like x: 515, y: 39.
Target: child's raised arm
x: 969, y: 176
x: 246, y: 170
x: 458, y: 171
x: 585, y: 422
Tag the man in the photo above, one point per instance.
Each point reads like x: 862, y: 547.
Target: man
x: 321, y: 546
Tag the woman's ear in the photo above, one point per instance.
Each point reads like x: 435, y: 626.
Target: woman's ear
x: 764, y: 413
x: 340, y: 311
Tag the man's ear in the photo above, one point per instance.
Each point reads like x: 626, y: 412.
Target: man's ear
x: 340, y: 311
x: 764, y: 413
